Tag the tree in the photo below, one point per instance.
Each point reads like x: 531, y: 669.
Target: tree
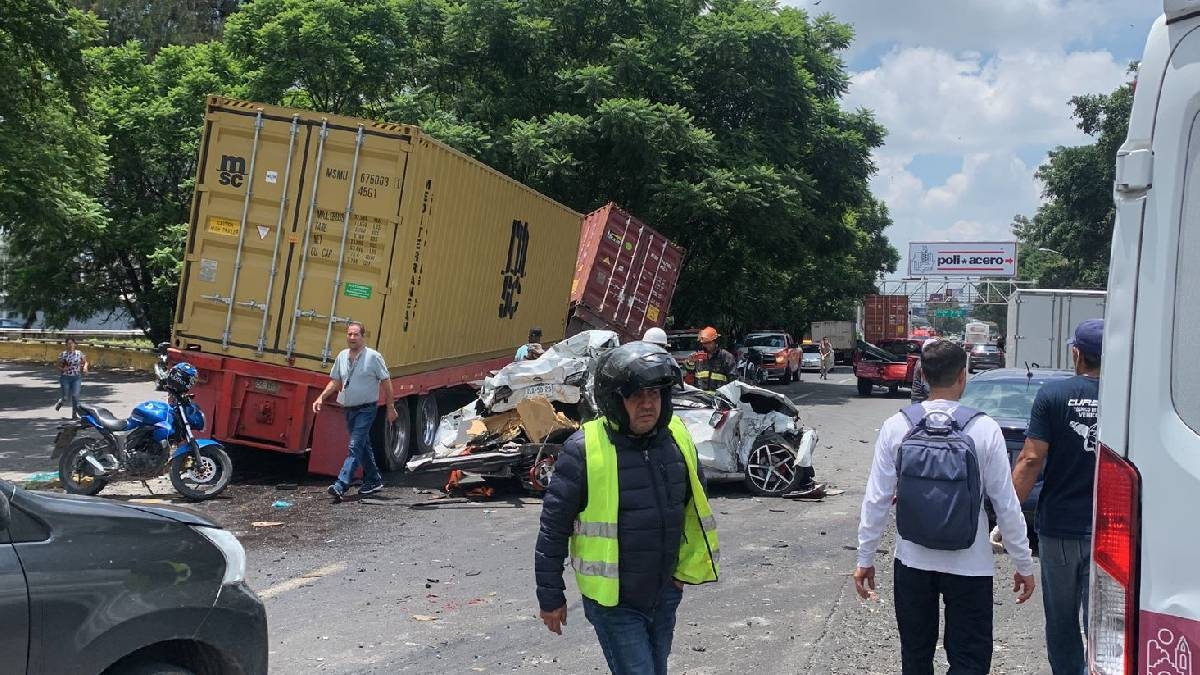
x: 159, y: 24
x: 328, y: 55
x: 51, y: 159
x: 150, y: 111
x: 1076, y: 221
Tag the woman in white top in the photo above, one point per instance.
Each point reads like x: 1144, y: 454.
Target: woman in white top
x: 72, y: 366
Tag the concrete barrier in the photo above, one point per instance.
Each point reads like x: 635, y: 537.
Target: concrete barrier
x: 106, y: 357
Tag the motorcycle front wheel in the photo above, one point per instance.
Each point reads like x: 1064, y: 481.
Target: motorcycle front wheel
x: 78, y: 476
x: 203, y: 477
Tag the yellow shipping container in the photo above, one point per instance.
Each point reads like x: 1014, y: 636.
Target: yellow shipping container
x: 302, y: 222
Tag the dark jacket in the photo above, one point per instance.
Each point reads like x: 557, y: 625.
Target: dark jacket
x: 653, y: 488
x: 720, y: 361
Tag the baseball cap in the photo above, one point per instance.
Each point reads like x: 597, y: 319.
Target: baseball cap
x: 1089, y: 337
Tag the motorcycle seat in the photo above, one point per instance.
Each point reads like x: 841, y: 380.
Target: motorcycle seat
x: 103, y: 416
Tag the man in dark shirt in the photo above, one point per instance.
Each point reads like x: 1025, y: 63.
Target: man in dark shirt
x: 1061, y: 437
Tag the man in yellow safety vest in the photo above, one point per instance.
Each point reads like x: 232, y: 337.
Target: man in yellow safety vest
x: 628, y: 504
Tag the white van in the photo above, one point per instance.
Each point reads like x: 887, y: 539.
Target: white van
x: 1145, y: 590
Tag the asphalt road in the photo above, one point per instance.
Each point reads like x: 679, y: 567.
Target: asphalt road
x: 406, y: 583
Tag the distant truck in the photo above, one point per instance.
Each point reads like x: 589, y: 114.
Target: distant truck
x: 303, y: 222
x: 885, y: 317
x: 841, y: 337
x: 977, y: 333
x: 1040, y: 321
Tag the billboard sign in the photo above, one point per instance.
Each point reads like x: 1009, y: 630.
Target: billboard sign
x: 962, y: 259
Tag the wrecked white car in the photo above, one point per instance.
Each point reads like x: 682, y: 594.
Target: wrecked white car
x: 751, y: 434
x: 516, y: 427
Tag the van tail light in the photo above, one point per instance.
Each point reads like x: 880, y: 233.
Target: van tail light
x: 1112, y: 644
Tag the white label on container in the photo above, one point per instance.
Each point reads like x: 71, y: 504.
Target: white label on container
x: 263, y: 230
x: 272, y: 176
x: 208, y: 270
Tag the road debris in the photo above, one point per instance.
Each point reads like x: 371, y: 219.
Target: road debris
x: 266, y: 523
x: 281, y: 504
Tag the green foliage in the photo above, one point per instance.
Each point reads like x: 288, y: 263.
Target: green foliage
x: 51, y: 159
x: 1076, y: 221
x: 158, y: 24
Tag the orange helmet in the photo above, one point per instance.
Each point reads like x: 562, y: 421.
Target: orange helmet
x: 708, y: 334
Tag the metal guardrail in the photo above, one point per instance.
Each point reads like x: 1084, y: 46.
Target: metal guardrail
x: 79, y: 335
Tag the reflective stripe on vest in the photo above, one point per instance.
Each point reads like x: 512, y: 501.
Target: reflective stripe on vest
x: 594, y: 546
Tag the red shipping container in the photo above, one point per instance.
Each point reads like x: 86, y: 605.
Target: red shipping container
x: 884, y: 317
x: 625, y: 275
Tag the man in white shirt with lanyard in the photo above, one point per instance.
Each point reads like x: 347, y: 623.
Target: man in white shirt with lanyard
x: 961, y: 578
x: 359, y: 374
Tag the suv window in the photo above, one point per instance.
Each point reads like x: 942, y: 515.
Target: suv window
x: 682, y: 343
x: 765, y: 341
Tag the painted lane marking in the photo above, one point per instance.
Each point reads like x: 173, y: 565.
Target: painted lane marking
x: 307, y: 577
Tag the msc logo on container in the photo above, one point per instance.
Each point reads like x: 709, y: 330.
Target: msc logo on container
x: 233, y: 171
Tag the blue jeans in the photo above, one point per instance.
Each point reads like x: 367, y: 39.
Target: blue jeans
x: 636, y: 643
x: 358, y: 421
x: 70, y: 389
x: 1065, y: 564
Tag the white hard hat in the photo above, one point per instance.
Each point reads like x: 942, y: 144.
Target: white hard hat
x: 656, y: 336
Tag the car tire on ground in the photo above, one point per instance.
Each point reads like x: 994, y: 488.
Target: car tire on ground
x: 393, y: 442
x: 770, y: 466
x: 865, y: 386
x: 425, y: 422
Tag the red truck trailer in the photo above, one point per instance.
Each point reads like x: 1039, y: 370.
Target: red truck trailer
x: 885, y: 317
x: 625, y: 275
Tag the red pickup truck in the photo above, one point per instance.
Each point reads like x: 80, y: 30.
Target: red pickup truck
x: 888, y: 365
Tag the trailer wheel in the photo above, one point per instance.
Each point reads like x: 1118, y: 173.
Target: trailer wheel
x: 394, y: 447
x: 865, y: 386
x: 426, y: 422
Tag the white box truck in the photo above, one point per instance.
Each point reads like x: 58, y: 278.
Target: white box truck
x: 841, y: 335
x: 1040, y: 321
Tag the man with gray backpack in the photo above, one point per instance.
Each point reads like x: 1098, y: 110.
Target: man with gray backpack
x: 937, y: 461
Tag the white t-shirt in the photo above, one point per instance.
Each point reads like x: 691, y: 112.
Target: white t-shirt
x: 996, y: 477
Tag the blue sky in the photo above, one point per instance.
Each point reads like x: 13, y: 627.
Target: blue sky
x: 973, y: 94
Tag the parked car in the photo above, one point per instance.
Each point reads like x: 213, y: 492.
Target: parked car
x: 811, y: 357
x: 93, y: 586
x: 682, y: 344
x: 779, y: 351
x: 984, y: 357
x: 1006, y: 394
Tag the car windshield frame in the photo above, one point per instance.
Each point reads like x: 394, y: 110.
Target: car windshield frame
x: 682, y: 343
x: 754, y: 340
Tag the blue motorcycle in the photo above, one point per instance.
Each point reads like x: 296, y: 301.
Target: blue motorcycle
x: 156, y: 438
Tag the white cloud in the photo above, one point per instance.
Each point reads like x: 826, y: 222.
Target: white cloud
x: 934, y: 102
x: 985, y: 110
x: 975, y: 204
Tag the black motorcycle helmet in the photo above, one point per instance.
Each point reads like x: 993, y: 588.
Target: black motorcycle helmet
x: 623, y: 371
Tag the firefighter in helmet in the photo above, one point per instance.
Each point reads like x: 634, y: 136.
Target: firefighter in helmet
x: 711, y: 367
